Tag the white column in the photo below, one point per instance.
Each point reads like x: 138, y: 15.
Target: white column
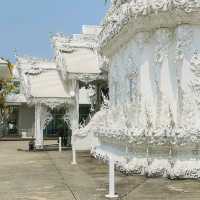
x: 75, y: 122
x: 111, y: 179
x: 73, y: 155
x: 38, y: 129
x: 60, y: 144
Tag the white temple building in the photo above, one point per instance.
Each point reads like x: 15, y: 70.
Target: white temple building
x: 151, y: 124
x: 66, y: 88
x: 77, y: 59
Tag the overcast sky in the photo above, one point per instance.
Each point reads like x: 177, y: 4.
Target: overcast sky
x: 26, y: 25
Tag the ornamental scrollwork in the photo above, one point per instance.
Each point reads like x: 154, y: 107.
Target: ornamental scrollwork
x: 184, y: 35
x: 67, y: 120
x: 121, y: 13
x: 162, y: 38
x: 46, y: 117
x: 195, y: 68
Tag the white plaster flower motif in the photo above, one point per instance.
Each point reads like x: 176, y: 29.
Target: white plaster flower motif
x: 179, y: 2
x: 157, y: 5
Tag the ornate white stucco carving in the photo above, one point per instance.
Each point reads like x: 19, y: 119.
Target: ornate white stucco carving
x: 79, y: 45
x: 51, y: 102
x: 184, y: 40
x: 42, y: 118
x: 157, y: 132
x: 67, y: 118
x: 131, y: 11
x: 87, y: 77
x: 46, y: 117
x: 195, y: 83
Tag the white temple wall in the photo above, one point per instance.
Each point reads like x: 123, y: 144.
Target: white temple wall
x: 157, y: 66
x: 86, y: 143
x: 26, y: 119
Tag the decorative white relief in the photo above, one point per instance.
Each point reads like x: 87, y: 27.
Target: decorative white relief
x: 163, y: 38
x: 67, y: 118
x: 69, y: 44
x: 51, y: 102
x: 195, y: 68
x: 121, y: 13
x: 141, y: 39
x: 154, y: 56
x: 195, y: 84
x: 184, y: 35
x: 46, y: 117
x: 86, y: 77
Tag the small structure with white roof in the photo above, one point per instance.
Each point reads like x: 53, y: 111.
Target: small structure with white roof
x: 77, y: 59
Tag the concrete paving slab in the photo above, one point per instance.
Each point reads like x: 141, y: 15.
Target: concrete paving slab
x: 50, y: 176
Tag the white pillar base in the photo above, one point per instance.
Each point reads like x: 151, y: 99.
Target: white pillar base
x: 39, y: 142
x: 111, y: 179
x: 73, y: 156
x: 111, y: 196
x: 38, y: 147
x: 60, y: 144
x: 73, y: 163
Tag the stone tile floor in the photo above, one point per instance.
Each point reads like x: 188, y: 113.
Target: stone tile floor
x: 50, y: 176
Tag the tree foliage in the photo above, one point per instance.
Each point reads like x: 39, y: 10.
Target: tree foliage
x: 6, y: 87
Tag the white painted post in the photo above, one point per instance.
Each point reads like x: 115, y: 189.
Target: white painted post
x: 111, y: 179
x: 60, y: 144
x: 73, y: 155
x: 38, y: 131
x: 75, y: 121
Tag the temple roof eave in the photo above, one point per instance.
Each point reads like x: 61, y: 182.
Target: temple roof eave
x: 15, y: 99
x: 51, y: 102
x: 130, y: 18
x: 87, y: 77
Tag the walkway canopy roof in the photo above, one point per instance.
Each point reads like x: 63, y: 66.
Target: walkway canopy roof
x: 76, y: 55
x: 41, y: 82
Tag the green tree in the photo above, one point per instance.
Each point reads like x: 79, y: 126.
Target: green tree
x: 6, y: 87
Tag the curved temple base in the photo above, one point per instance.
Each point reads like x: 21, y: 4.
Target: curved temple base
x: 171, y: 168
x: 111, y: 196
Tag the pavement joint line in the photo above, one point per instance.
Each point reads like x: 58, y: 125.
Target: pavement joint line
x: 121, y: 197
x: 74, y: 193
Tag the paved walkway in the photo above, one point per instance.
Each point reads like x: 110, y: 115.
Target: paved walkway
x: 50, y: 176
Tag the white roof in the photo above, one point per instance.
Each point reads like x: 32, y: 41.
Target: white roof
x: 78, y: 52
x: 47, y: 84
x: 81, y: 61
x: 15, y: 99
x: 40, y: 78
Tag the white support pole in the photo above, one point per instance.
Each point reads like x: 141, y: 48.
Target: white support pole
x: 60, y: 144
x: 73, y: 155
x: 111, y: 179
x: 75, y: 121
x: 38, y: 129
